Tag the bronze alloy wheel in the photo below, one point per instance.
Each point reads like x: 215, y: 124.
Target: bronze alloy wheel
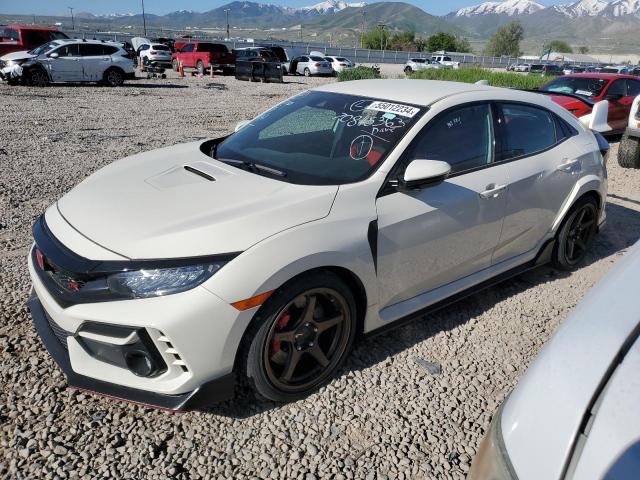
x: 307, y: 340
x: 582, y: 228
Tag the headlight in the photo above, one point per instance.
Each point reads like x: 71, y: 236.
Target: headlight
x: 160, y: 281
x: 492, y: 460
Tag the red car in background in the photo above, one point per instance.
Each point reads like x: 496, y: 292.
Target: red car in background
x: 578, y: 93
x: 201, y: 55
x: 17, y: 38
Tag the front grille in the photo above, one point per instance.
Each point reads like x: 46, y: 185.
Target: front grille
x: 60, y: 332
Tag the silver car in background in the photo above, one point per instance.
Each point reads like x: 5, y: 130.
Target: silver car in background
x: 415, y: 64
x: 574, y: 414
x: 308, y: 65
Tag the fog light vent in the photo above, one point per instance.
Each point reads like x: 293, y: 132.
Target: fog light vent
x: 172, y: 353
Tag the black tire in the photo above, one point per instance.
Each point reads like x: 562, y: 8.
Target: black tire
x: 576, y: 234
x: 307, y: 72
x: 281, y: 362
x: 407, y: 70
x: 113, y: 77
x: 174, y: 65
x: 37, y: 77
x: 200, y: 67
x: 629, y: 152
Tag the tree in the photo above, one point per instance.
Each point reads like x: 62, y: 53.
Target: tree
x: 506, y: 41
x: 560, y: 46
x: 403, y: 41
x: 376, y: 39
x: 583, y: 49
x: 463, y: 45
x: 441, y: 41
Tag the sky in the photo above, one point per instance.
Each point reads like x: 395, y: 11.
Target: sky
x: 59, y: 7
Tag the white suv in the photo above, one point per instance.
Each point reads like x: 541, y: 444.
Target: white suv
x: 415, y: 64
x: 156, y: 52
x: 262, y: 255
x: 73, y: 60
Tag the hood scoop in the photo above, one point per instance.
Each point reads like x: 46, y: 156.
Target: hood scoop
x: 189, y: 174
x: 200, y: 173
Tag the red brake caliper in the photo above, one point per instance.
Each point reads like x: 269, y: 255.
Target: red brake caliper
x: 283, y: 321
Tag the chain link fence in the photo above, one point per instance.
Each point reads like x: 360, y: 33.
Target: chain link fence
x: 356, y: 55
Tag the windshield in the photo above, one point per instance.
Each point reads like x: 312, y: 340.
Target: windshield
x: 43, y: 48
x: 320, y: 138
x: 585, y: 86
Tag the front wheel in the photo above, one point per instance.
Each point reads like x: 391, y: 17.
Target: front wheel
x: 37, y: 78
x: 576, y: 234
x: 174, y: 65
x: 307, y: 72
x: 200, y: 67
x: 301, y: 337
x: 407, y: 70
x: 113, y: 78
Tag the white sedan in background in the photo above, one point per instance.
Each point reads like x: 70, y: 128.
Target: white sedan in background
x: 339, y: 63
x: 575, y: 413
x: 262, y: 255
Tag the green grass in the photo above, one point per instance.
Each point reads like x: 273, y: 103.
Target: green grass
x: 358, y: 73
x: 472, y: 75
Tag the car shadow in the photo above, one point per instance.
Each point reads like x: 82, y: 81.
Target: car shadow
x: 137, y: 84
x: 622, y: 231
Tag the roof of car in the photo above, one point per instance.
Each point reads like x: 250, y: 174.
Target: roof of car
x: 62, y: 41
x: 31, y: 27
x: 602, y: 76
x: 416, y: 92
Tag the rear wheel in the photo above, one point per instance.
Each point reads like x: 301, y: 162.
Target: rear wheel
x: 174, y: 65
x: 37, y: 78
x: 576, y: 234
x: 629, y: 152
x: 113, y: 77
x: 200, y: 67
x: 301, y: 337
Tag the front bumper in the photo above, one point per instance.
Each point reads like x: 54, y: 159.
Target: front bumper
x: 210, y: 392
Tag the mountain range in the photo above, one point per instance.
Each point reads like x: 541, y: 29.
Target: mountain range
x: 612, y: 24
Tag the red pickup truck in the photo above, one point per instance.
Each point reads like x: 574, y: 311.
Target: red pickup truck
x: 202, y: 55
x: 16, y: 38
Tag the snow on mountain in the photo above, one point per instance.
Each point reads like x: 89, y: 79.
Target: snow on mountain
x: 331, y: 6
x: 619, y: 8
x: 583, y: 8
x: 508, y: 7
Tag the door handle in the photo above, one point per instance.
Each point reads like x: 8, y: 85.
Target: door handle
x: 567, y: 165
x: 493, y: 191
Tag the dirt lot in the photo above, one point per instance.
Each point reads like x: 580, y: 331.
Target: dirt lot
x: 385, y: 416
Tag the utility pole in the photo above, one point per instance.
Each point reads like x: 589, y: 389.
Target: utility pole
x: 300, y: 33
x: 364, y: 27
x: 73, y: 23
x: 144, y: 20
x: 382, y: 26
x: 226, y: 10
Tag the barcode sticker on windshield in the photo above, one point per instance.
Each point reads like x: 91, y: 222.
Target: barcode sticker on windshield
x: 398, y: 109
x: 584, y: 92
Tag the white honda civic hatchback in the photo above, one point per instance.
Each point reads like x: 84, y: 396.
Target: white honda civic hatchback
x: 166, y: 277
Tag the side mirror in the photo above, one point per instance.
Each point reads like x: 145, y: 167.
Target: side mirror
x: 241, y: 124
x: 424, y: 173
x: 54, y: 55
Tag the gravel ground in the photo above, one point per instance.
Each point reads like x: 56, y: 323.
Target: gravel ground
x: 385, y: 416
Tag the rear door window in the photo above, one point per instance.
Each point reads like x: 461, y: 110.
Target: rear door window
x: 90, y: 50
x: 525, y: 130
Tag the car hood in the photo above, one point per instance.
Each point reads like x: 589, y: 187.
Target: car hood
x: 149, y: 206
x: 543, y: 415
x: 24, y: 55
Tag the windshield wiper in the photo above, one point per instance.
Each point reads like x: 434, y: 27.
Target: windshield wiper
x: 253, y: 167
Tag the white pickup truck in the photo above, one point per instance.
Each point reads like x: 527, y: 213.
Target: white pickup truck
x: 445, y: 60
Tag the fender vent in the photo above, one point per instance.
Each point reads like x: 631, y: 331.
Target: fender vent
x: 200, y: 173
x: 172, y: 352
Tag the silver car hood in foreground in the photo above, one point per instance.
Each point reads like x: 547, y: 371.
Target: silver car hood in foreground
x: 23, y: 55
x: 542, y: 418
x: 149, y: 206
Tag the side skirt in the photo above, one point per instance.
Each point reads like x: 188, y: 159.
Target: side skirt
x: 543, y: 257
